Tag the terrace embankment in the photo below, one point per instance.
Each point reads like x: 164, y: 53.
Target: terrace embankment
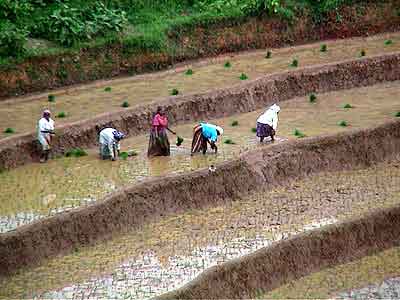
x: 150, y: 200
x: 22, y: 149
x: 290, y: 259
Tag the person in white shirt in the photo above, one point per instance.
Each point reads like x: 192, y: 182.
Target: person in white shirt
x: 267, y: 123
x: 109, y: 139
x: 45, y: 132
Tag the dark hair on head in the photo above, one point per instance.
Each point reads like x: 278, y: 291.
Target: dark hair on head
x: 159, y: 109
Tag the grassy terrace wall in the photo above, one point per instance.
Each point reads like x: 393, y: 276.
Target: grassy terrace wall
x: 148, y: 201
x: 191, y: 41
x: 270, y: 267
x: 21, y: 149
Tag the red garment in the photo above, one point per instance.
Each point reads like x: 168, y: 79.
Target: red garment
x: 160, y: 122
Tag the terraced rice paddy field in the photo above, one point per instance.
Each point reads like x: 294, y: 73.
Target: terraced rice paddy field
x: 165, y: 254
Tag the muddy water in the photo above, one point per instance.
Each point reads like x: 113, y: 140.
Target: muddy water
x: 85, y: 103
x: 37, y: 190
x: 166, y: 254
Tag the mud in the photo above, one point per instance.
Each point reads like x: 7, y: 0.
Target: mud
x: 295, y: 257
x: 142, y: 203
x: 19, y: 150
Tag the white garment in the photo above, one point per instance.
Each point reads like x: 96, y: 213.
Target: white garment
x: 44, y: 127
x: 270, y: 116
x: 106, y: 138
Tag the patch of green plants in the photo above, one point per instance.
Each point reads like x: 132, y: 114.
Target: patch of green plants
x: 397, y: 114
x: 268, y: 55
x: 179, y: 140
x: 61, y: 114
x: 348, y: 105
x: 294, y: 63
x: 323, y: 48
x: 388, y: 42
x: 235, y: 123
x: 243, y: 77
x: 9, y: 130
x: 108, y: 89
x: 125, y: 104
x: 227, y: 64
x: 174, y: 92
x: 343, y: 123
x: 189, y: 72
x: 229, y: 142
x: 254, y: 130
x: 51, y: 98
x: 298, y: 133
x: 312, y: 98
x: 76, y: 152
x: 362, y: 53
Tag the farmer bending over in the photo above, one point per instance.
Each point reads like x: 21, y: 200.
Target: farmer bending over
x: 267, y: 123
x: 45, y: 131
x: 205, y: 133
x: 109, y: 139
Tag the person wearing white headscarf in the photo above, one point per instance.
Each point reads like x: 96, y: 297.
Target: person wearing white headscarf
x: 109, y: 139
x: 204, y: 133
x: 45, y: 131
x: 267, y: 123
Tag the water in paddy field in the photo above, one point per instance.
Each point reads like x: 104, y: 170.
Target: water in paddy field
x: 93, y: 99
x: 36, y: 190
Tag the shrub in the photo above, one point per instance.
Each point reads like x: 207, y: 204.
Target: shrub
x: 76, y: 152
x: 243, y: 76
x: 234, y: 123
x: 12, y: 40
x: 107, y: 89
x: 268, y: 55
x: 323, y: 48
x: 294, y: 63
x: 312, y: 98
x: 61, y: 115
x: 343, y: 123
x: 254, y: 130
x: 388, y: 42
x: 125, y: 104
x: 362, y: 53
x: 298, y: 133
x: 9, y: 130
x: 174, y: 92
x: 348, y: 105
x: 397, y: 114
x: 227, y: 64
x: 229, y: 142
x: 189, y: 72
x: 51, y: 98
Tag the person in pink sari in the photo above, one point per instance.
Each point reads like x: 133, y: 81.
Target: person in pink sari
x: 158, y: 142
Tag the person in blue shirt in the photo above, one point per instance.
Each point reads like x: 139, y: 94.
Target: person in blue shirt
x: 204, y: 133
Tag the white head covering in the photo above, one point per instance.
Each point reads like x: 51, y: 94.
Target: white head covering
x: 270, y: 116
x: 219, y: 129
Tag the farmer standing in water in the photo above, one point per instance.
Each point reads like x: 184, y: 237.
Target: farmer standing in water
x: 109, y: 139
x: 205, y: 133
x: 45, y: 131
x: 158, y: 142
x: 267, y: 123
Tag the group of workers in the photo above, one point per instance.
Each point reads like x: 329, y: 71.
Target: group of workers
x: 204, y: 134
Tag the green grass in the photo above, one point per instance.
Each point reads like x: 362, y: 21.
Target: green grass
x: 9, y: 130
x: 189, y: 72
x: 254, y: 130
x: 235, y: 123
x: 76, y: 152
x: 348, y: 105
x: 397, y: 114
x: 174, y: 92
x: 243, y: 77
x: 323, y: 48
x: 227, y: 64
x: 268, y: 55
x: 51, y: 98
x: 312, y: 98
x: 229, y: 142
x: 61, y: 114
x: 298, y: 133
x: 107, y: 89
x: 388, y: 42
x: 125, y: 104
x: 343, y: 123
x: 294, y: 63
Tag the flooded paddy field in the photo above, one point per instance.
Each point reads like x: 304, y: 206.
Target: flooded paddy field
x: 82, y: 103
x: 37, y: 190
x: 372, y: 277
x: 166, y: 254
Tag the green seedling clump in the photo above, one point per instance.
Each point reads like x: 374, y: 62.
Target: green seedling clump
x: 107, y: 89
x: 179, y: 140
x: 397, y: 114
x: 76, y: 152
x: 9, y: 130
x: 324, y: 48
x: 243, y: 76
x: 234, y: 123
x: 343, y: 124
x: 125, y: 104
x: 312, y: 98
x: 388, y: 42
x: 229, y: 142
x: 268, y: 55
x: 294, y: 63
x: 189, y: 72
x: 124, y: 155
x: 51, y: 98
x: 227, y: 64
x: 298, y: 133
x: 254, y: 130
x: 348, y: 105
x: 61, y: 115
x: 174, y: 92
x: 362, y: 53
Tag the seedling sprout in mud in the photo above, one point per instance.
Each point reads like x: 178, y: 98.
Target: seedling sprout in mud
x: 9, y: 130
x: 312, y: 98
x: 348, y: 105
x: 51, y: 98
x: 294, y: 63
x: 298, y: 133
x: 323, y: 48
x: 227, y: 64
x: 235, y: 123
x: 243, y: 76
x: 174, y: 92
x: 268, y: 55
x: 189, y: 72
x: 125, y: 104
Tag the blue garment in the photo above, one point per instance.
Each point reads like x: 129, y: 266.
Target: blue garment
x: 209, y: 131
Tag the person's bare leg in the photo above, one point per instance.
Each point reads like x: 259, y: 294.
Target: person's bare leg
x: 261, y: 139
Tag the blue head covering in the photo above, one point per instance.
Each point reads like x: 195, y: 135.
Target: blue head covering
x: 118, y: 135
